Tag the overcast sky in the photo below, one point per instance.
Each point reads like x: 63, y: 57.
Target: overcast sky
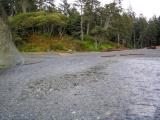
x: 147, y: 7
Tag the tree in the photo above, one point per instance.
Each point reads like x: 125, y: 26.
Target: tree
x: 80, y: 3
x: 23, y: 6
x: 158, y: 30
x: 152, y: 32
x: 140, y: 26
x: 123, y: 26
x: 74, y: 26
x: 65, y: 7
x: 97, y: 32
x: 39, y: 22
x: 45, y: 5
x: 108, y: 13
x: 90, y: 11
x: 8, y: 6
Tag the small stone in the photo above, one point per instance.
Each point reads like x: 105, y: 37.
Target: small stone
x: 75, y: 84
x: 98, y: 118
x: 108, y: 113
x: 73, y: 112
x: 51, y: 90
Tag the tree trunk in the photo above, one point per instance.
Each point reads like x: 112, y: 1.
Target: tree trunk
x: 24, y: 10
x: 134, y: 39
x: 52, y: 29
x: 24, y: 6
x: 142, y: 43
x: 82, y: 34
x: 88, y: 27
x: 101, y: 22
x: 96, y: 44
x: 41, y: 4
x: 106, y: 25
x: 118, y: 38
x: 60, y: 33
x: 123, y: 42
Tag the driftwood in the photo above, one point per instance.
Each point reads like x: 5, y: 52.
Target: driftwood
x: 31, y: 63
x: 130, y: 54
x: 110, y: 50
x: 108, y: 56
x: 152, y: 47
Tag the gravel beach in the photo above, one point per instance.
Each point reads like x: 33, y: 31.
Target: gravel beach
x: 120, y: 85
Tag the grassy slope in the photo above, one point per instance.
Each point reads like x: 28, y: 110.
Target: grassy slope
x: 41, y: 43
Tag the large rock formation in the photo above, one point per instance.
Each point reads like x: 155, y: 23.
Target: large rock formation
x: 9, y: 55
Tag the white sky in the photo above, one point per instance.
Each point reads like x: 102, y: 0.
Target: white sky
x: 147, y: 7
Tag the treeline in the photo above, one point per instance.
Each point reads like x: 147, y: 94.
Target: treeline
x: 83, y: 19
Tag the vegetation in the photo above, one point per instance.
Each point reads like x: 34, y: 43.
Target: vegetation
x: 38, y: 25
x: 44, y: 43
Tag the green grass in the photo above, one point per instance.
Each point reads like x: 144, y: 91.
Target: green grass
x: 43, y: 43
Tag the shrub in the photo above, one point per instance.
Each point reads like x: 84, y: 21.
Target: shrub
x: 57, y: 46
x: 36, y: 19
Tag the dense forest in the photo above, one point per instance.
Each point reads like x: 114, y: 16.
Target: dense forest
x: 40, y: 25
